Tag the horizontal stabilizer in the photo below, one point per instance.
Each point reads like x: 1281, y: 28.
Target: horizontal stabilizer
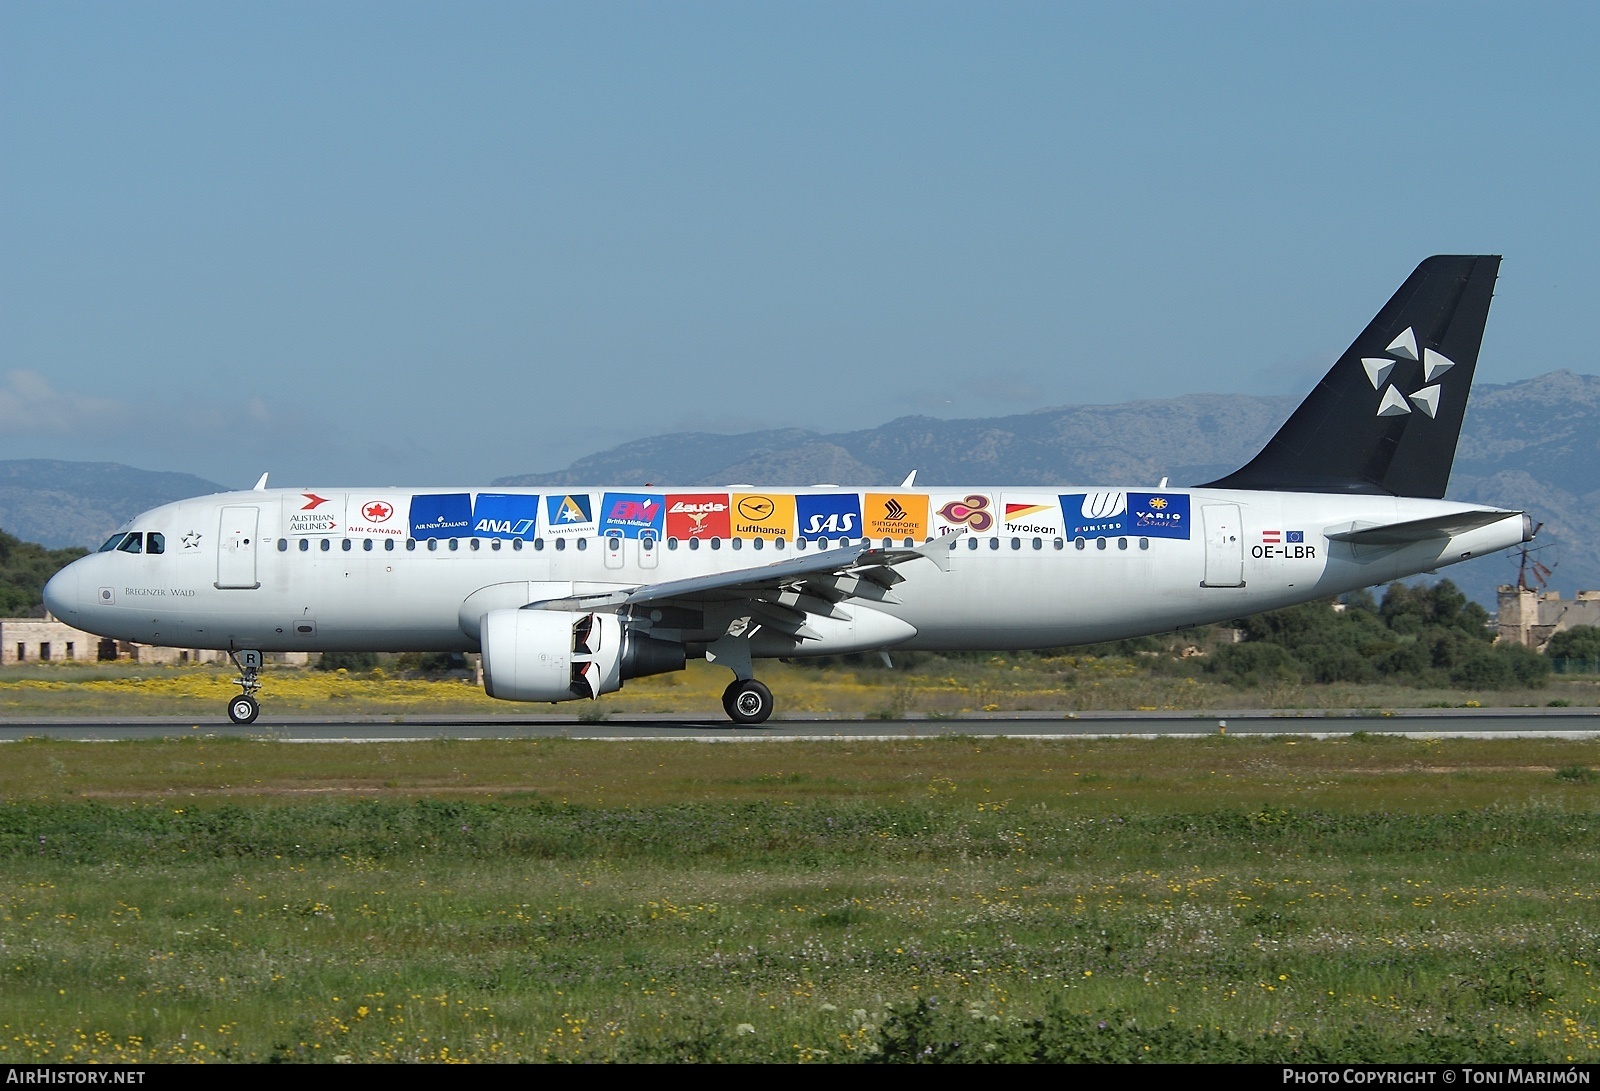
x: 1418, y: 530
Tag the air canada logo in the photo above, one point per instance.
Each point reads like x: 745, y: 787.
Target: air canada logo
x: 971, y: 510
x: 377, y: 512
x: 1393, y: 403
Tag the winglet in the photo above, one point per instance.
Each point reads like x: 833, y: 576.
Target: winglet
x: 261, y: 485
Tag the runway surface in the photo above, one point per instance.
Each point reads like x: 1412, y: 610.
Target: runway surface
x: 1414, y: 723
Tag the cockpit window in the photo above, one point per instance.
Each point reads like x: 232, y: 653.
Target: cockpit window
x: 133, y: 543
x: 114, y: 541
x: 155, y: 542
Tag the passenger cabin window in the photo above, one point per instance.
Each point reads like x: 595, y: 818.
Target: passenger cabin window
x: 1078, y: 542
x: 388, y: 545
x: 366, y: 544
x: 583, y: 544
x: 475, y: 545
x: 411, y: 545
x: 994, y: 543
x: 283, y: 545
x: 1038, y: 543
x: 494, y: 544
x: 1099, y: 543
x: 305, y: 544
x: 133, y: 543
x: 345, y: 545
x: 455, y: 543
x: 327, y: 544
x: 1144, y: 543
x: 433, y: 545
x: 1122, y: 543
x: 561, y: 543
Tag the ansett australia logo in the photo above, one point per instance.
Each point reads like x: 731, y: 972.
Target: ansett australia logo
x: 698, y: 516
x: 309, y: 516
x: 829, y: 515
x: 505, y: 515
x: 570, y: 514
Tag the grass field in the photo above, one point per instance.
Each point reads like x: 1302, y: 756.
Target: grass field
x: 952, y: 899
x: 936, y: 687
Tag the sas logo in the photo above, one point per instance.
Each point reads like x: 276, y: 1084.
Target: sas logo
x: 763, y: 515
x: 630, y: 514
x: 1164, y: 515
x: 441, y: 515
x: 571, y: 514
x: 829, y: 515
x: 505, y: 515
x: 972, y: 512
x: 896, y: 515
x: 698, y: 516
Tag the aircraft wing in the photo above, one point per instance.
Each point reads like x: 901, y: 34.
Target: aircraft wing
x: 827, y: 576
x: 1418, y: 530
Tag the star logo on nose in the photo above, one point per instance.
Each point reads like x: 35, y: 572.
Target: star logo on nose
x: 191, y: 540
x: 1379, y: 368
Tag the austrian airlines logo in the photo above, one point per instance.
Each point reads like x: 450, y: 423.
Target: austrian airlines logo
x: 313, y: 501
x: 1426, y: 399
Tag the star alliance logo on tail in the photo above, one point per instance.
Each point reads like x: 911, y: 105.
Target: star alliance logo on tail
x: 1379, y: 368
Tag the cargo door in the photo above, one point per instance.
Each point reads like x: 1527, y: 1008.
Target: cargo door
x: 236, y: 548
x: 1224, y: 546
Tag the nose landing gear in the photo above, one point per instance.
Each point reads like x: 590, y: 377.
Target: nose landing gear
x: 244, y: 708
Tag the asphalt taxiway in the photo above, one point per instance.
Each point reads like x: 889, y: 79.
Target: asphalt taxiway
x: 1413, y: 723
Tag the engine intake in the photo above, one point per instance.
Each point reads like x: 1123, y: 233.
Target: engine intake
x: 553, y: 655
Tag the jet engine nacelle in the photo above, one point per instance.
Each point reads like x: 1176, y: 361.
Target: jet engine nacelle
x: 557, y: 655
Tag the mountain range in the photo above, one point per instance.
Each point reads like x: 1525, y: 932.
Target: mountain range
x: 1533, y: 445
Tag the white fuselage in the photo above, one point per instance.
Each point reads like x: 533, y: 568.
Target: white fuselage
x: 284, y: 570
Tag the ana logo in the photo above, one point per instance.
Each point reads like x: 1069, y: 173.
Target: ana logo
x: 313, y: 501
x: 971, y: 510
x: 377, y: 512
x: 757, y: 508
x: 1379, y: 368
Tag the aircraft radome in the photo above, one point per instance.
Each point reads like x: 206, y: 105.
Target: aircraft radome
x: 569, y: 594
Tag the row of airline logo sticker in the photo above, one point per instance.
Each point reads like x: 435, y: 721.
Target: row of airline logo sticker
x: 686, y: 516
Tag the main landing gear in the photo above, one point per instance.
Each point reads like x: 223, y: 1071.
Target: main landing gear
x: 244, y: 708
x: 747, y: 701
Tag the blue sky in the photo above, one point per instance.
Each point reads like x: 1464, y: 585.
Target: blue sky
x: 432, y: 244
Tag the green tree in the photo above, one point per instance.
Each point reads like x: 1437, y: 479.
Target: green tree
x: 24, y: 570
x: 1578, y: 642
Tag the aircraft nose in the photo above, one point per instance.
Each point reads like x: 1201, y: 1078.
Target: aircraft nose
x: 61, y: 593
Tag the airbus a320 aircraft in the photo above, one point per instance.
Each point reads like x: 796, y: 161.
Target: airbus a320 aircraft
x: 570, y: 594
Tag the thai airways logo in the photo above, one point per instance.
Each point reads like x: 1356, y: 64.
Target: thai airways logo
x: 1426, y: 399
x: 971, y: 511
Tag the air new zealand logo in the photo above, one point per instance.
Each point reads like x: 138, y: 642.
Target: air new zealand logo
x: 1393, y: 403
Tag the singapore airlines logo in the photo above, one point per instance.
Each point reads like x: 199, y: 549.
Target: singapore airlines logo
x: 1426, y: 399
x: 893, y: 510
